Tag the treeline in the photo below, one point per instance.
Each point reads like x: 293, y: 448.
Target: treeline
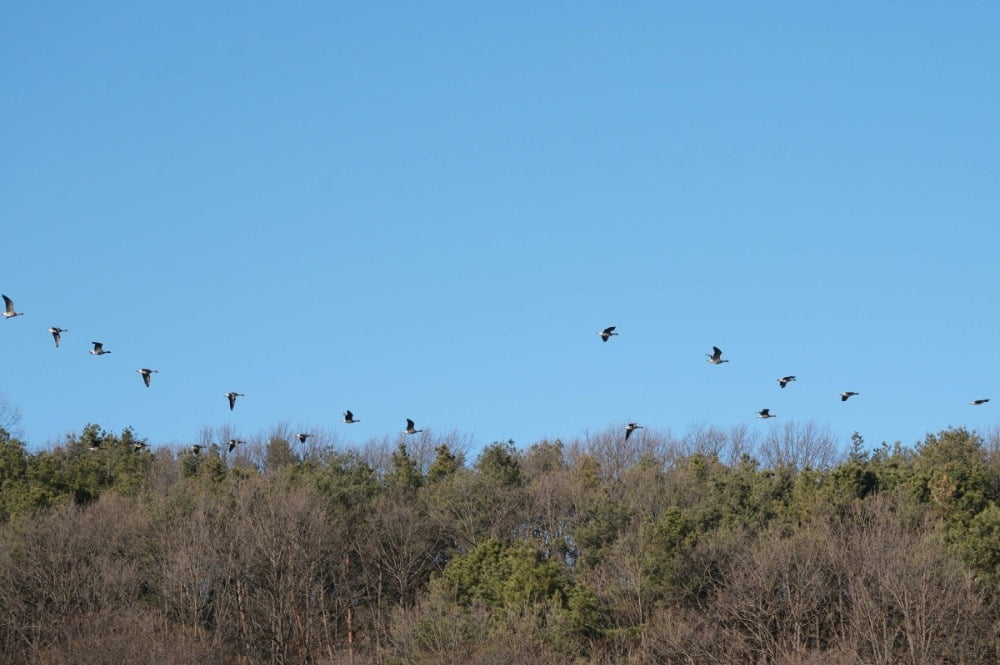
x: 716, y: 548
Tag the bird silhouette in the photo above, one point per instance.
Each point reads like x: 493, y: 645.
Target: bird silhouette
x: 410, y: 428
x: 607, y: 333
x: 847, y: 394
x: 977, y: 402
x: 785, y: 380
x: 146, y: 374
x: 303, y: 437
x: 631, y: 427
x: 57, y: 334
x: 196, y: 449
x: 349, y: 418
x: 232, y: 399
x: 98, y: 349
x: 233, y: 443
x: 715, y: 357
x: 765, y: 413
x: 8, y: 312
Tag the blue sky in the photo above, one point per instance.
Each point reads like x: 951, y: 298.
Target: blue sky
x: 428, y: 210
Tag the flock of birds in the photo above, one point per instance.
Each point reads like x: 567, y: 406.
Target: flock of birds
x: 715, y: 357
x: 146, y: 373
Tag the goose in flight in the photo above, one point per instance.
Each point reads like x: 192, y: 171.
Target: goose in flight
x: 715, y: 357
x: 607, y: 333
x: 765, y: 413
x: 303, y: 437
x: 410, y: 428
x: 631, y: 427
x: 146, y: 374
x: 95, y: 445
x: 9, y: 312
x: 233, y: 443
x: 232, y: 399
x: 98, y: 349
x: 785, y: 380
x: 349, y: 418
x: 57, y: 333
x: 977, y: 402
x: 847, y: 394
x: 196, y: 449
x: 139, y: 445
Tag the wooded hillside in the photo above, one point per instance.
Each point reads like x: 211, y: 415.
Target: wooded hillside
x: 720, y: 547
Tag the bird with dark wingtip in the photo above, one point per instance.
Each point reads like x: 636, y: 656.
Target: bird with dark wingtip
x: 715, y: 357
x: 233, y: 443
x: 765, y: 413
x: 977, y: 402
x: 411, y: 428
x: 607, y: 333
x: 98, y: 349
x: 785, y: 380
x: 146, y: 374
x: 302, y: 437
x: 847, y: 394
x: 8, y: 309
x: 232, y: 399
x: 631, y: 427
x: 57, y: 334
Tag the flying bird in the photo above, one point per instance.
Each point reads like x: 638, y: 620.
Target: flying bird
x: 232, y: 399
x: 349, y: 418
x: 631, y: 427
x: 195, y: 448
x: 233, y: 443
x: 303, y: 437
x: 98, y: 349
x: 765, y: 413
x: 9, y: 312
x: 847, y: 394
x: 57, y: 333
x: 715, y: 357
x: 146, y: 374
x: 95, y: 445
x: 607, y: 333
x: 977, y: 402
x: 410, y: 428
x: 785, y: 380
x: 139, y: 445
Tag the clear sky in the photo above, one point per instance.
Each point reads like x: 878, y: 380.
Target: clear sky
x: 428, y: 210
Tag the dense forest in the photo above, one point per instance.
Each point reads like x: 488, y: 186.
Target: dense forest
x: 721, y: 546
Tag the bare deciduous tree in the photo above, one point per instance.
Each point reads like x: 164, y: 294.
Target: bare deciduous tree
x: 805, y: 446
x: 10, y: 414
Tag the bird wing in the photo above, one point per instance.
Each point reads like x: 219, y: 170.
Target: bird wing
x: 410, y: 424
x: 8, y: 304
x: 97, y: 346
